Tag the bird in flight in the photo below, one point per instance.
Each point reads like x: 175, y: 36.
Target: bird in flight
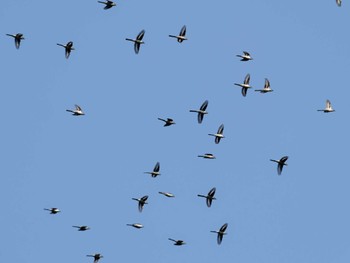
x: 338, y: 2
x: 136, y: 225
x: 245, y: 57
x: 96, y: 257
x: 68, y: 48
x: 108, y: 4
x: 245, y: 86
x: 281, y: 162
x: 168, y: 121
x: 18, y: 37
x: 77, y: 112
x: 167, y: 194
x: 219, y: 135
x: 138, y: 41
x: 209, y: 197
x: 53, y: 210
x: 221, y: 233
x: 201, y: 111
x: 328, y: 107
x: 177, y: 242
x: 142, y: 201
x: 207, y: 156
x: 82, y: 228
x: 266, y: 88
x: 182, y: 35
x: 155, y: 171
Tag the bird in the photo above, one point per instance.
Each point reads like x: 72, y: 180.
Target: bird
x: 168, y: 121
x: 219, y: 135
x: 245, y: 86
x: 209, y: 197
x: 108, y: 4
x: 142, y: 201
x: 182, y: 35
x: 266, y: 88
x: 177, y: 242
x: 96, y: 257
x: 245, y: 57
x: 338, y: 2
x: 82, y: 228
x: 281, y: 162
x: 77, y: 112
x: 221, y: 233
x: 155, y: 171
x: 207, y: 156
x: 68, y: 48
x: 53, y: 210
x: 201, y: 111
x: 136, y: 225
x: 167, y: 194
x: 138, y: 41
x: 328, y: 107
x: 18, y: 37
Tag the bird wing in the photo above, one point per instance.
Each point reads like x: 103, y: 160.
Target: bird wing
x: 137, y: 47
x: 221, y: 129
x: 328, y: 104
x: 247, y: 79
x: 219, y: 238
x: 209, y: 201
x: 212, y: 192
x: 140, y: 35
x: 200, y: 117
x: 204, y: 105
x: 156, y: 167
x: 244, y: 91
x: 17, y: 42
x: 223, y: 228
x: 217, y: 140
x: 183, y: 31
x: 267, y: 84
x: 77, y: 107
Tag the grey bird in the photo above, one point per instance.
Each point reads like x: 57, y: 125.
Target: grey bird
x: 281, y: 162
x: 245, y: 86
x: 77, y: 112
x: 207, y: 156
x: 138, y: 41
x: 167, y: 194
x: 177, y: 242
x: 221, y: 233
x: 68, y: 48
x: 142, y: 201
x: 136, y: 225
x: 245, y: 57
x: 266, y: 88
x: 168, y: 122
x: 328, y: 107
x: 82, y: 228
x: 96, y: 257
x: 209, y: 197
x: 219, y: 135
x: 338, y: 2
x: 18, y: 37
x: 182, y: 35
x: 53, y: 210
x: 108, y: 4
x: 155, y: 171
x: 202, y: 111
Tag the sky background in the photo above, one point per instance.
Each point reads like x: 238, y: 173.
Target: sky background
x: 92, y: 166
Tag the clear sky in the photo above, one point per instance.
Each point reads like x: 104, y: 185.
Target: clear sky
x: 92, y: 166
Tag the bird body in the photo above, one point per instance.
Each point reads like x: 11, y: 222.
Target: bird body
x: 177, y: 242
x: 82, y: 228
x: 155, y: 171
x: 108, y: 4
x: 77, y: 112
x: 142, y: 202
x: 266, y: 88
x: 281, y: 162
x: 182, y: 35
x: 245, y: 86
x: 138, y: 41
x: 168, y: 121
x: 136, y: 225
x: 245, y: 57
x: 209, y: 197
x: 53, y: 210
x: 167, y: 194
x: 18, y: 37
x: 219, y: 135
x: 207, y: 156
x: 221, y: 233
x: 68, y: 48
x: 202, y: 111
x: 328, y: 107
x: 96, y: 257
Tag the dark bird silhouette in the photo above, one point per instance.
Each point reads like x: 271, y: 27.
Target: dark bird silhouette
x: 245, y: 86
x: 167, y: 194
x: 177, y: 242
x: 281, y: 162
x: 142, y: 201
x: 201, y: 111
x: 53, y: 210
x: 207, y: 156
x: 221, y: 233
x: 136, y: 225
x: 182, y: 35
x: 68, y: 48
x: 219, y: 135
x: 77, y: 112
x: 245, y: 57
x: 96, y: 257
x: 209, y: 197
x: 328, y: 107
x: 18, y: 37
x: 266, y: 88
x: 138, y: 41
x: 108, y: 4
x: 82, y: 228
x: 155, y: 171
x: 168, y: 121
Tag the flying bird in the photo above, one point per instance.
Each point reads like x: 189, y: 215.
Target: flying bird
x: 209, y: 197
x: 266, y: 88
x: 245, y: 86
x: 108, y: 4
x: 221, y: 233
x: 177, y: 242
x: 82, y: 228
x: 201, y: 111
x: 207, y: 156
x: 142, y: 201
x: 219, y: 135
x: 281, y: 162
x: 96, y: 257
x: 18, y: 37
x: 53, y: 210
x: 328, y: 107
x: 136, y: 225
x: 245, y: 57
x: 77, y: 112
x: 138, y: 41
x: 182, y: 35
x: 167, y: 194
x: 68, y: 48
x: 155, y: 171
x: 338, y: 2
x: 168, y: 121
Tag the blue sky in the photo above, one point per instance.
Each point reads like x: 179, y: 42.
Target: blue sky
x: 92, y: 166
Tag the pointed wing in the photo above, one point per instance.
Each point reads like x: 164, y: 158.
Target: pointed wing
x: 137, y: 47
x: 17, y: 42
x: 244, y: 91
x: 217, y: 140
x: 156, y: 167
x: 209, y: 201
x: 246, y: 53
x: 200, y: 117
x: 170, y: 120
x: 247, y: 79
x: 183, y: 31
x: 67, y: 52
x: 219, y: 239
x: 328, y: 104
x: 204, y: 105
x: 279, y: 168
x: 221, y: 129
x: 284, y: 159
x: 212, y: 192
x: 140, y: 35
x: 77, y: 107
x: 144, y: 198
x: 267, y: 84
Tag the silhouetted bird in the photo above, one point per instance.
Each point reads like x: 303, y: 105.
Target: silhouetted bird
x: 207, y: 156
x: 142, y: 201
x: 96, y: 257
x: 281, y: 162
x: 219, y: 135
x: 182, y: 35
x: 168, y: 121
x: 220, y: 233
x: 167, y: 194
x: 201, y: 111
x: 77, y: 112
x: 53, y: 210
x: 68, y: 48
x: 108, y: 4
x: 245, y: 57
x: 338, y: 2
x: 266, y: 88
x: 82, y: 228
x: 155, y: 171
x: 138, y: 41
x: 209, y: 197
x: 328, y: 107
x: 136, y: 225
x: 18, y: 37
x: 177, y: 242
x: 245, y: 86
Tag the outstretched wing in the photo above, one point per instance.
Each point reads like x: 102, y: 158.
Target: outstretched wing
x: 200, y: 117
x: 223, y: 228
x: 221, y: 129
x: 204, y: 105
x: 244, y: 91
x: 140, y: 35
x: 137, y: 47
x: 183, y: 31
x: 212, y: 192
x: 247, y: 79
x: 156, y: 167
x: 267, y: 84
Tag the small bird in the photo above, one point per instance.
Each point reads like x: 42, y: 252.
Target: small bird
x: 142, y: 201
x: 245, y: 86
x: 177, y: 242
x: 209, y: 197
x: 96, y: 257
x: 53, y: 210
x: 82, y: 228
x: 167, y: 194
x: 136, y: 225
x: 168, y: 121
x: 338, y: 2
x: 245, y: 57
x: 68, y: 48
x: 221, y: 233
x: 281, y: 162
x: 18, y: 37
x: 266, y: 88
x: 201, y: 111
x: 138, y: 41
x: 155, y: 171
x: 182, y: 35
x: 108, y: 4
x: 328, y: 107
x: 207, y: 156
x: 77, y: 112
x: 219, y: 135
